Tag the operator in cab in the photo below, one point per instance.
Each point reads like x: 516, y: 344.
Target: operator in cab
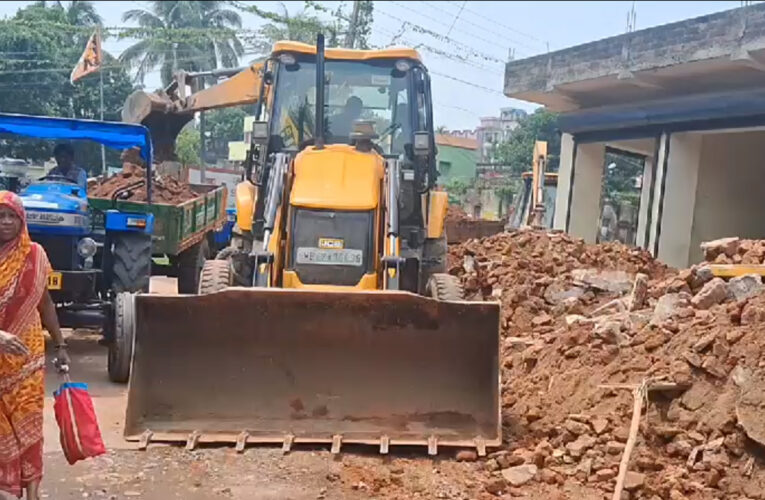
x: 341, y: 124
x: 65, y: 167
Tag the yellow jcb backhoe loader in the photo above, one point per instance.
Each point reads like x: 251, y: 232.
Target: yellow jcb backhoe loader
x: 535, y: 203
x: 332, y: 319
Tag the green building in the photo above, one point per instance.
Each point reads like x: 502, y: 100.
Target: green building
x: 457, y: 158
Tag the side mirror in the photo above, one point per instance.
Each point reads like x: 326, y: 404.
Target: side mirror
x: 422, y: 144
x: 260, y: 133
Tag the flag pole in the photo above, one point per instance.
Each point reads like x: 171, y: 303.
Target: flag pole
x: 101, y: 91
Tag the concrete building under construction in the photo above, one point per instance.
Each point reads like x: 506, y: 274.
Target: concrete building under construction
x: 688, y: 99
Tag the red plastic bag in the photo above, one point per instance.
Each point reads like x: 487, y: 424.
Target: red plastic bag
x: 80, y: 436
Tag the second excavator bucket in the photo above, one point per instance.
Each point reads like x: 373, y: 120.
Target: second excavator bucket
x: 293, y: 366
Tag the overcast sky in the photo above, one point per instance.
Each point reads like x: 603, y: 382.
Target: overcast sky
x: 486, y: 31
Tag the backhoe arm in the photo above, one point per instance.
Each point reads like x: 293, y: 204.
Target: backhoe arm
x: 167, y: 111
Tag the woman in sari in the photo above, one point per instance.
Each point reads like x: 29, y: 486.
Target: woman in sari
x: 25, y: 309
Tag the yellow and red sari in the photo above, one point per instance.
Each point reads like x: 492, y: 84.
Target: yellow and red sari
x: 24, y: 268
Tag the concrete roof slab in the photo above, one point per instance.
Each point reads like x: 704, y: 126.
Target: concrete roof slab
x: 714, y: 53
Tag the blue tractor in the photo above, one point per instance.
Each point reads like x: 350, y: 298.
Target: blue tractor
x: 95, y: 272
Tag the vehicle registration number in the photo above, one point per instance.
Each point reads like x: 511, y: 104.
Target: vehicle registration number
x: 54, y: 281
x: 330, y: 257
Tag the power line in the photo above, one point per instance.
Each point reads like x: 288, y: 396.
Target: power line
x: 487, y: 89
x: 451, y: 106
x: 442, y: 38
x: 426, y: 16
x: 441, y: 53
x: 494, y: 21
x: 485, y: 29
x: 456, y: 17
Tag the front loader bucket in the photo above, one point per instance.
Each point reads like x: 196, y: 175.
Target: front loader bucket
x: 291, y: 366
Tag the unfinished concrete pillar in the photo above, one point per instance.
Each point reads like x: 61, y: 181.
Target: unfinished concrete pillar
x: 676, y: 204
x: 584, y: 217
x: 646, y: 186
x: 563, y: 193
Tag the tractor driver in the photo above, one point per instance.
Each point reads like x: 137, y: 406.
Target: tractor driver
x: 341, y: 124
x: 65, y: 167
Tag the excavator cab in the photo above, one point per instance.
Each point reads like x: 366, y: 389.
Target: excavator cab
x: 331, y: 318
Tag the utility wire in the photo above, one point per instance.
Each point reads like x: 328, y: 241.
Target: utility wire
x: 426, y: 16
x: 486, y: 30
x: 494, y: 21
x: 456, y: 17
x: 441, y: 53
x: 418, y: 28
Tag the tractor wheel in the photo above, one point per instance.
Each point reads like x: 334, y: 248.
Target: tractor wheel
x: 216, y: 276
x: 433, y: 260
x: 131, y: 271
x: 444, y: 287
x: 121, y: 346
x: 190, y: 264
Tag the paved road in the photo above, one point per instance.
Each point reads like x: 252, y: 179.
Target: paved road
x: 165, y: 472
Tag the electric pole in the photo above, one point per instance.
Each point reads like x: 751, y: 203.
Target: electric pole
x: 350, y: 37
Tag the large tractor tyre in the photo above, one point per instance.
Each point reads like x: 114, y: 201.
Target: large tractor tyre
x: 190, y: 264
x: 216, y: 276
x: 226, y: 253
x: 239, y: 265
x: 444, y: 287
x: 131, y: 257
x: 433, y: 261
x: 121, y: 346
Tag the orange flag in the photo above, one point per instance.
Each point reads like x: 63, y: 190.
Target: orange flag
x: 90, y: 61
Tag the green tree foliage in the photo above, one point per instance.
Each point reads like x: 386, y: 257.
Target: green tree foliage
x: 224, y: 125
x: 187, y: 146
x: 34, y: 76
x: 457, y: 189
x: 518, y: 150
x: 217, y: 46
x: 619, y: 177
x: 305, y: 25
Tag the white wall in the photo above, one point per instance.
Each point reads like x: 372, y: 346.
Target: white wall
x: 730, y: 195
x: 679, y: 198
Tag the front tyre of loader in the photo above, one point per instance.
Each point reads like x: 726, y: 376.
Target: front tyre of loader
x: 216, y: 276
x: 121, y: 347
x: 131, y: 256
x: 190, y: 264
x: 433, y: 260
x: 442, y: 286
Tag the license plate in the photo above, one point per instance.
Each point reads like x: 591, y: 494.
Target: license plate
x: 54, y: 281
x: 330, y: 257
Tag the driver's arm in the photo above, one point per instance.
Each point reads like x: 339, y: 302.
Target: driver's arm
x: 82, y: 180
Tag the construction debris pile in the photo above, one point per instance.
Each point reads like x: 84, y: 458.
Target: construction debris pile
x: 455, y: 213
x: 594, y: 334
x: 132, y: 179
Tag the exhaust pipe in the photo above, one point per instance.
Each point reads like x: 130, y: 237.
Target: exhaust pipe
x: 319, y: 135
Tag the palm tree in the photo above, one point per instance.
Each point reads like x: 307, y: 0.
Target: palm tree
x: 78, y: 13
x: 82, y: 13
x: 197, y: 51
